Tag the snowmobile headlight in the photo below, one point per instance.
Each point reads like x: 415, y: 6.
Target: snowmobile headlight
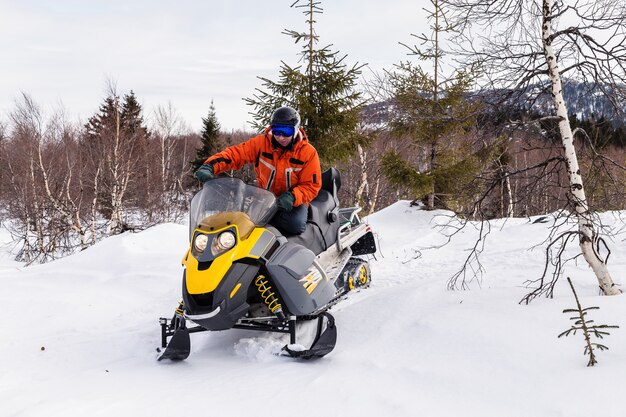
x: 225, y: 241
x: 200, y: 242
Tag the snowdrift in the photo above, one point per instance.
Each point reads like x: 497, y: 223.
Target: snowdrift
x: 79, y: 335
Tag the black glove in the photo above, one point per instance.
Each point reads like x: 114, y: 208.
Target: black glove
x: 204, y: 173
x: 285, y: 201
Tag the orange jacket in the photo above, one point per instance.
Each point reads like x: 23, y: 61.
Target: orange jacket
x: 278, y: 170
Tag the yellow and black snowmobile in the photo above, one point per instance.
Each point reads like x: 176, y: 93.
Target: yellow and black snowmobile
x: 240, y: 272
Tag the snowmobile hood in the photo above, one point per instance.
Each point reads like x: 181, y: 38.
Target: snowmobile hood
x: 205, y: 269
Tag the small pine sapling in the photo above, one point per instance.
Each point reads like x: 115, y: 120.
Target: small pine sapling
x: 587, y: 327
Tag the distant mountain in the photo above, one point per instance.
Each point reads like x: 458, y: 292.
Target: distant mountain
x: 584, y: 100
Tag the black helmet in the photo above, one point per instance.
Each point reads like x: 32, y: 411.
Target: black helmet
x: 286, y: 116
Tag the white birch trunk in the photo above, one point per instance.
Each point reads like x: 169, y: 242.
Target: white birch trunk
x: 72, y: 214
x: 374, y: 196
x: 116, y: 171
x: 363, y: 186
x: 509, y: 192
x: 506, y: 195
x: 588, y: 235
x: 163, y: 163
x: 38, y: 214
x: 94, y: 204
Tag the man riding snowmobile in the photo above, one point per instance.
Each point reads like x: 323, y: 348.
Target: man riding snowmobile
x: 241, y: 272
x: 284, y: 162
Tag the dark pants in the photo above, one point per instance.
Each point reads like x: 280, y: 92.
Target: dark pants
x: 291, y: 222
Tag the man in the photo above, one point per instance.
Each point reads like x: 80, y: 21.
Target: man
x: 284, y: 162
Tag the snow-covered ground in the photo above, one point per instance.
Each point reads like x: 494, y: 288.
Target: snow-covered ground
x: 78, y: 336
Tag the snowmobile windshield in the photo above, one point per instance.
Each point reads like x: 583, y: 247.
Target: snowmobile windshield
x: 231, y: 195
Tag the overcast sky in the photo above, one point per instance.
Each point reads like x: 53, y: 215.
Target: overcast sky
x: 187, y: 52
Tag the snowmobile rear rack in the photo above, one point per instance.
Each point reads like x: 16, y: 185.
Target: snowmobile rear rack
x: 353, y: 233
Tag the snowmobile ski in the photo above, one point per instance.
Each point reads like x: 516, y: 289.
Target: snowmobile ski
x: 179, y: 347
x: 324, y: 343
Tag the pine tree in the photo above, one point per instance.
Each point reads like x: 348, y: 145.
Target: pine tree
x: 430, y: 110
x: 210, y: 139
x: 132, y: 119
x: 322, y: 89
x: 116, y: 141
x: 587, y: 327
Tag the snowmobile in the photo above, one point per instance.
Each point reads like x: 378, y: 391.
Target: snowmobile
x: 242, y: 273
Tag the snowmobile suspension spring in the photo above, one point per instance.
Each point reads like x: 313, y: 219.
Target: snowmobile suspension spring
x: 180, y: 309
x: 269, y: 297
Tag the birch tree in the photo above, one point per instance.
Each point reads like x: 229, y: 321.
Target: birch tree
x: 3, y: 163
x: 167, y: 128
x: 529, y: 46
x: 167, y: 125
x: 41, y: 183
x: 117, y: 135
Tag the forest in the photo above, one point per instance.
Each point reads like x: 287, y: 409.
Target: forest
x: 484, y: 139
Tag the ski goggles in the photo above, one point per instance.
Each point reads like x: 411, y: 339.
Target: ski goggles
x: 283, y: 130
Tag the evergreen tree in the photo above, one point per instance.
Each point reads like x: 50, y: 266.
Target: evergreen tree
x: 116, y: 143
x: 210, y: 139
x: 431, y: 110
x: 322, y: 89
x: 587, y: 327
x: 132, y: 119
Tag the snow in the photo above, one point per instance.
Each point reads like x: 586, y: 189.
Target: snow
x: 79, y: 335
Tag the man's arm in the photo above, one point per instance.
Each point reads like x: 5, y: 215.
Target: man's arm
x: 234, y: 157
x: 310, y: 181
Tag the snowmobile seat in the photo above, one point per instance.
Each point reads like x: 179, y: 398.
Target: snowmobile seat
x: 331, y: 181
x: 323, y: 217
